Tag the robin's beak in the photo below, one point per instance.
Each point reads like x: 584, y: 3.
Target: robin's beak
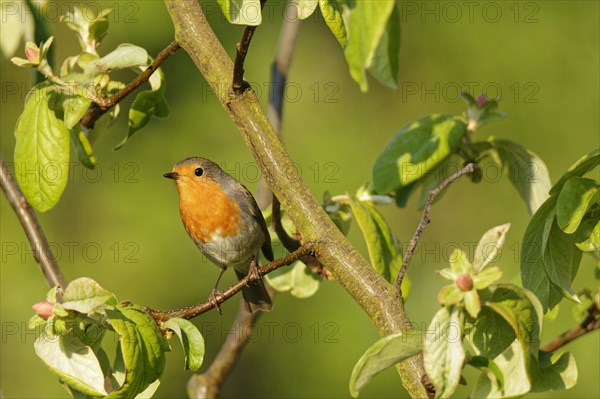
x: 172, y: 175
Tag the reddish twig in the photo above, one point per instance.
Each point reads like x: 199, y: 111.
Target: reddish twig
x: 589, y: 324
x: 103, y: 105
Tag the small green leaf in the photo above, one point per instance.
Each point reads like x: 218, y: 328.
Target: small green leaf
x: 533, y: 269
x: 416, y: 149
x: 146, y: 105
x: 561, y: 260
x: 75, y: 108
x: 443, y: 351
x: 84, y: 295
x: 450, y: 295
x: 578, y: 169
x: 41, y: 150
x: 298, y: 279
x: 385, y: 251
x: 555, y: 372
x: 341, y: 216
x: 385, y: 63
x: 191, y: 340
x: 305, y: 7
x: 125, y: 56
x: 332, y: 11
x: 587, y: 236
x: 472, y: 303
x: 486, y: 277
x: 490, y: 245
x: 526, y: 171
x: 459, y: 262
x: 403, y: 193
x: 574, y: 200
x: 488, y: 365
x: 73, y: 362
x: 242, y: 12
x: 521, y: 310
x: 142, y: 349
x: 365, y: 28
x: 83, y: 147
x: 384, y: 353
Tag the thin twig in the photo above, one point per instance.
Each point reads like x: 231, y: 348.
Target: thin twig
x: 203, y: 307
x: 103, y: 105
x: 589, y: 324
x: 468, y: 168
x: 291, y: 244
x: 37, y: 239
x: 241, y: 49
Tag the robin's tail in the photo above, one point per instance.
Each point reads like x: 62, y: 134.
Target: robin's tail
x: 255, y: 295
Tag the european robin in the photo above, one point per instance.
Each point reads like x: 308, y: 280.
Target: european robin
x: 224, y: 221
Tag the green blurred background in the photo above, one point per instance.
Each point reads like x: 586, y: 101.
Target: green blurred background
x: 122, y: 222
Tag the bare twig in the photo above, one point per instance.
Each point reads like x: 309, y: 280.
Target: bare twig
x: 103, y: 105
x: 241, y: 49
x: 37, y: 239
x: 589, y: 324
x: 203, y: 307
x: 468, y: 168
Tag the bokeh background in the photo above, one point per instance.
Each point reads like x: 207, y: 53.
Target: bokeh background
x: 120, y: 225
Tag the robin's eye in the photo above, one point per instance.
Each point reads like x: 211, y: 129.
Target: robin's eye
x: 198, y: 172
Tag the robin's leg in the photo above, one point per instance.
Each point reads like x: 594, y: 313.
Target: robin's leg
x: 214, y: 294
x: 253, y: 269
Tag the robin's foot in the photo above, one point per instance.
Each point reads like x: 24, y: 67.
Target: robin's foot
x: 253, y: 271
x: 214, y: 300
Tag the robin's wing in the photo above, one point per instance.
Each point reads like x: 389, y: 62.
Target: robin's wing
x: 254, y: 210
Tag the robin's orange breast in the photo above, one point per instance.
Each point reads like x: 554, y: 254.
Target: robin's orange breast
x: 207, y: 211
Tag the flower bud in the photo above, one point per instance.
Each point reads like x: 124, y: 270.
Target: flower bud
x: 464, y: 282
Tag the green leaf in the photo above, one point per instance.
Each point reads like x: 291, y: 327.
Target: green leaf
x: 512, y: 364
x: 299, y: 280
x: 383, y: 354
x: 416, y: 149
x: 489, y: 246
x: 242, y: 12
x: 587, y: 236
x: 472, y: 303
x: 75, y: 108
x: 459, y: 262
x: 385, y: 63
x: 41, y: 150
x: 486, y: 277
x: 403, y: 193
x: 521, y: 310
x: 142, y: 349
x: 491, y: 371
x: 384, y: 249
x: 526, y: 171
x: 341, y: 216
x: 443, y: 351
x: 365, y: 28
x: 574, y: 200
x: 555, y: 372
x: 578, y: 169
x: 450, y: 295
x: 90, y: 29
x: 490, y: 334
x: 84, y: 295
x: 73, y: 362
x: 561, y: 260
x: 191, y: 340
x: 332, y: 11
x: 83, y: 147
x: 125, y: 56
x: 146, y: 105
x: 533, y: 270
x: 305, y: 7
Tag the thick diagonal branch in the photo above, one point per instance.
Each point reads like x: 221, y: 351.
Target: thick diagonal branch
x: 37, y: 239
x: 376, y: 297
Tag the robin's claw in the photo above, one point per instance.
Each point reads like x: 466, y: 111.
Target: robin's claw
x: 214, y: 300
x: 253, y: 273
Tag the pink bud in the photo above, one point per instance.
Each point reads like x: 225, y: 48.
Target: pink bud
x: 464, y: 282
x: 481, y: 100
x: 44, y: 309
x: 32, y: 54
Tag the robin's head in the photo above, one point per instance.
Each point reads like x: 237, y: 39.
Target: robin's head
x: 195, y: 171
